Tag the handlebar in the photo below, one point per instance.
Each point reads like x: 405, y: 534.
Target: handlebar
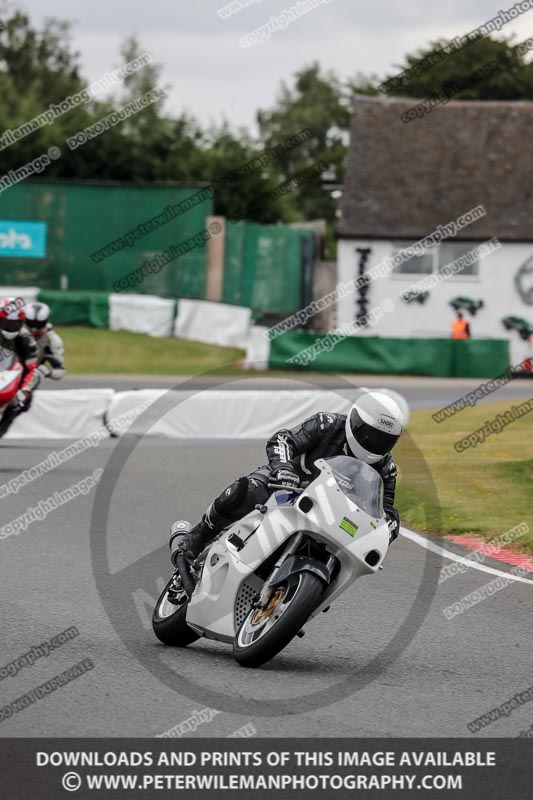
x: 296, y: 489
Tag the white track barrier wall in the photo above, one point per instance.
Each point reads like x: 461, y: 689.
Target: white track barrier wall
x: 227, y: 414
x: 141, y: 313
x: 257, y: 348
x: 68, y: 414
x: 209, y: 414
x: 213, y: 323
x: 28, y: 293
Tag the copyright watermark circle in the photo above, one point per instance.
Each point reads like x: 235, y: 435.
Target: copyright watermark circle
x: 71, y: 781
x: 54, y: 153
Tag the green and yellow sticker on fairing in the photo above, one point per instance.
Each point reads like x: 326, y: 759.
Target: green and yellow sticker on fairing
x: 349, y: 526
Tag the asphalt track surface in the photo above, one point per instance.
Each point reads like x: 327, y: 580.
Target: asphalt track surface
x: 448, y: 674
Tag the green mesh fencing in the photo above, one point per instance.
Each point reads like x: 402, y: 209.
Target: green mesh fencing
x: 84, y: 217
x: 264, y: 267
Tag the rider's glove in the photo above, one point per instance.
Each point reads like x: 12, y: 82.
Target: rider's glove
x: 23, y: 397
x: 287, y: 478
x: 44, y: 370
x: 393, y: 521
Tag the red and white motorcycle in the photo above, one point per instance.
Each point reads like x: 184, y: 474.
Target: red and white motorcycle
x: 11, y: 371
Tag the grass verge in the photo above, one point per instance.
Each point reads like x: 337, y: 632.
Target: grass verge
x: 94, y: 351
x: 483, y: 491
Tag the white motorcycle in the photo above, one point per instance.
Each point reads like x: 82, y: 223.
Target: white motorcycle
x: 268, y: 574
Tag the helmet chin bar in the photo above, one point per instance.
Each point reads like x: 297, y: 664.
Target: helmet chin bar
x: 358, y: 451
x: 10, y: 334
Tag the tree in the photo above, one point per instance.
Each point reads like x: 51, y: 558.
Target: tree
x: 37, y: 68
x: 318, y: 102
x: 482, y: 69
x: 239, y: 198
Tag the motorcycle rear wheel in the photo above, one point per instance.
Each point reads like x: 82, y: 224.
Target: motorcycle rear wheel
x: 264, y: 633
x: 169, y: 621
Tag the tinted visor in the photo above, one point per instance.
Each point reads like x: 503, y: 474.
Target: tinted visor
x: 10, y: 325
x: 37, y: 324
x: 377, y: 442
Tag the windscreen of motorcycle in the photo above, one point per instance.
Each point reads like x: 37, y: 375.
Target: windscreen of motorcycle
x: 360, y: 482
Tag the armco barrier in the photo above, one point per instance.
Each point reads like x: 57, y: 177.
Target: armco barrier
x: 66, y: 414
x: 439, y: 358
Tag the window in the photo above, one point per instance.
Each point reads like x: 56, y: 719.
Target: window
x: 451, y: 251
x: 434, y: 259
x: 414, y: 264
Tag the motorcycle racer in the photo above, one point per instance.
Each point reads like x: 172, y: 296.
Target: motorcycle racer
x: 368, y: 432
x: 51, y: 351
x: 17, y: 339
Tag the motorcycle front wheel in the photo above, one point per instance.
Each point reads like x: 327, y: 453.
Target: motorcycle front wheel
x: 265, y: 632
x: 169, y: 621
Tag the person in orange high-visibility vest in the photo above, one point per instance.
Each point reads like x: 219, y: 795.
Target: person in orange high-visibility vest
x: 460, y: 328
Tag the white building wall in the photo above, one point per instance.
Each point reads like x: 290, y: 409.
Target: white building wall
x: 494, y: 285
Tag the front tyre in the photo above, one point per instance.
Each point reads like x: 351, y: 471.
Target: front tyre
x: 169, y: 620
x: 265, y: 632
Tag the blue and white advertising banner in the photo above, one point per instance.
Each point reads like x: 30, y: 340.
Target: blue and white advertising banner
x: 22, y: 239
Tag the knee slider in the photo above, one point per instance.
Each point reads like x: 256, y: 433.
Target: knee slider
x: 232, y: 497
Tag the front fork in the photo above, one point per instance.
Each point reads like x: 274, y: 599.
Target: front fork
x: 267, y: 592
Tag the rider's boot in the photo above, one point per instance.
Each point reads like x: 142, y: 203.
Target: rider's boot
x: 228, y: 507
x: 190, y: 542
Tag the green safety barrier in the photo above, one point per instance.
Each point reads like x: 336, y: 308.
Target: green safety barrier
x: 480, y: 358
x: 77, y: 308
x: 439, y: 358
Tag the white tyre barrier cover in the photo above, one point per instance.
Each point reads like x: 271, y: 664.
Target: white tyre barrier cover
x: 141, y: 313
x: 213, y: 323
x: 227, y: 414
x: 257, y: 348
x: 68, y: 414
x: 209, y: 414
x: 28, y: 293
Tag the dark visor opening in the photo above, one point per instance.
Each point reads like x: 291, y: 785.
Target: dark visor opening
x: 377, y: 442
x: 10, y: 325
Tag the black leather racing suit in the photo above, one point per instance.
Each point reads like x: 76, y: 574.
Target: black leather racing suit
x: 319, y: 436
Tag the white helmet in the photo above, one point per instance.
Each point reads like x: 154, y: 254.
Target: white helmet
x: 37, y: 316
x: 373, y: 426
